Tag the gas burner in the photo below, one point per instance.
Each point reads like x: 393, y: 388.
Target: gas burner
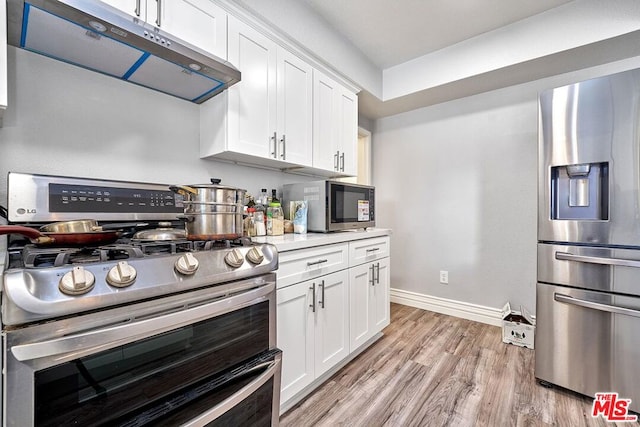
x: 160, y: 247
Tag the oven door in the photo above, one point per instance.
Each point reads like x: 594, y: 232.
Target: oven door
x: 184, y: 357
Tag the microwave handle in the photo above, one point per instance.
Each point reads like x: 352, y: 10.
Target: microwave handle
x: 114, y: 336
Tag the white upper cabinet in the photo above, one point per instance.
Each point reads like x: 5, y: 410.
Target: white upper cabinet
x: 266, y: 118
x: 252, y: 102
x: 295, y: 106
x: 335, y: 126
x: 198, y: 22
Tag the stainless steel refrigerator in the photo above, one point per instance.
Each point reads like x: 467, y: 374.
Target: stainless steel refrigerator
x: 588, y: 290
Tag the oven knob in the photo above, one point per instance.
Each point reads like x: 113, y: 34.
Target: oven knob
x: 255, y: 255
x: 121, y: 275
x: 234, y: 258
x: 77, y: 282
x: 187, y: 264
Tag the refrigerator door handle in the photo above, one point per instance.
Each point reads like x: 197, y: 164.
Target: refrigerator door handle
x: 597, y: 260
x: 595, y: 305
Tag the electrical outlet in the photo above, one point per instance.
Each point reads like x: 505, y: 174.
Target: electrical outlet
x: 444, y: 277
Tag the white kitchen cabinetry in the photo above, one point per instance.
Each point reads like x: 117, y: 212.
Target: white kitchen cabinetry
x: 266, y: 118
x: 335, y: 126
x: 313, y: 329
x: 333, y: 301
x: 198, y: 22
x: 368, y: 289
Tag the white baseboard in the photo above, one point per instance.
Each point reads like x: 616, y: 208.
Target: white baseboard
x: 464, y: 310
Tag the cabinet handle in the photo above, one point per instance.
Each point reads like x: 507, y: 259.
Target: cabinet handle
x: 313, y: 297
x: 342, y: 162
x: 284, y: 147
x: 274, y: 139
x: 137, y: 11
x: 372, y: 281
x: 309, y: 264
x: 158, y: 17
x: 378, y: 273
x: 336, y: 161
x: 373, y: 250
x: 322, y: 295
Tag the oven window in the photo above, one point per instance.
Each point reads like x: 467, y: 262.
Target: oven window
x: 101, y: 388
x: 349, y: 204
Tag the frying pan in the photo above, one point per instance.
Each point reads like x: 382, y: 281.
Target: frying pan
x: 61, y: 239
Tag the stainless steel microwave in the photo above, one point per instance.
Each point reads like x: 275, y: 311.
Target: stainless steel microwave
x: 334, y: 205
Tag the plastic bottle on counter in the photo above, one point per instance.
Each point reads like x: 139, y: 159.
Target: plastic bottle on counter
x: 258, y: 223
x: 249, y: 223
x: 263, y: 198
x: 275, y: 220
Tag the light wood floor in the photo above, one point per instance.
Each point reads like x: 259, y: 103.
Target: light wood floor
x: 431, y: 369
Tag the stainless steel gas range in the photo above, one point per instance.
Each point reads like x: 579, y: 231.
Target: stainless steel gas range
x: 134, y: 332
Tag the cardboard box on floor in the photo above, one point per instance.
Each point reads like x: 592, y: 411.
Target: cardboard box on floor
x: 518, y: 327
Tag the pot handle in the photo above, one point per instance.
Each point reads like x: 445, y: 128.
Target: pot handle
x: 183, y: 190
x: 216, y: 181
x: 32, y: 234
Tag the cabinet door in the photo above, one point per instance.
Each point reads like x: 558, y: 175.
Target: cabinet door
x: 332, y: 320
x: 380, y: 303
x: 252, y: 101
x: 295, y: 329
x: 326, y: 92
x: 137, y: 8
x: 198, y: 22
x: 295, y: 114
x: 348, y: 132
x: 360, y: 299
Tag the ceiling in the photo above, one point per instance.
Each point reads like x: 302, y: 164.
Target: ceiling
x: 393, y: 32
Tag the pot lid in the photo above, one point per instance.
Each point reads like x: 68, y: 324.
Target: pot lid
x: 164, y: 232
x: 215, y: 184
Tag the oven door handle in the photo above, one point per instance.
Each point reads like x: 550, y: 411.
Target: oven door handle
x: 595, y: 305
x: 227, y: 404
x: 104, y: 339
x: 566, y: 256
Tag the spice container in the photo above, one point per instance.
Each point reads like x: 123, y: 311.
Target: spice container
x: 275, y: 220
x: 258, y: 222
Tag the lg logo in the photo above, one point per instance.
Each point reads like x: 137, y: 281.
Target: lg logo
x: 22, y: 211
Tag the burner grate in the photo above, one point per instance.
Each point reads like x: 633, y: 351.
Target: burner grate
x: 32, y: 256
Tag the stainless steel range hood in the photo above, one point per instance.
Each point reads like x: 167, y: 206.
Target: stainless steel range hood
x: 99, y: 37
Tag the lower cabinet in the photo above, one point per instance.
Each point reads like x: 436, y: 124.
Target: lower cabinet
x: 331, y: 301
x: 369, y: 296
x: 313, y: 329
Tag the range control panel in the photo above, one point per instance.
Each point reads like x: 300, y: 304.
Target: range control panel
x: 47, y: 198
x: 83, y: 198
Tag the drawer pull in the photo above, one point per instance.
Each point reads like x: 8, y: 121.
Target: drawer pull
x: 322, y: 261
x: 373, y: 250
x: 567, y: 299
x: 566, y: 256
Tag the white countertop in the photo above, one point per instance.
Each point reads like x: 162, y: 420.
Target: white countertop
x: 291, y: 242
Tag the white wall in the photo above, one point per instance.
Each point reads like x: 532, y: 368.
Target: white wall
x: 457, y: 183
x: 64, y: 120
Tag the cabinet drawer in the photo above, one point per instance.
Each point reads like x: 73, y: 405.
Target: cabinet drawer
x: 361, y: 251
x: 296, y: 266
